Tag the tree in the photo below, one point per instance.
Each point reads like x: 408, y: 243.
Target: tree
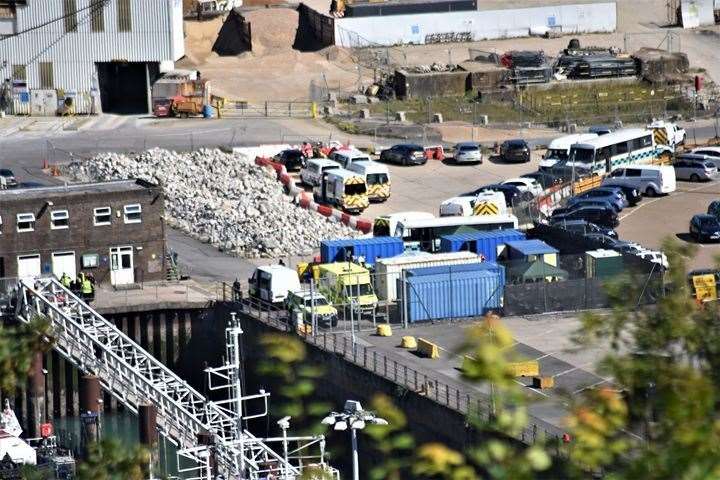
x: 18, y: 346
x: 110, y: 460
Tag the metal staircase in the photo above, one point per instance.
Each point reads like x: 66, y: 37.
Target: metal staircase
x: 95, y: 346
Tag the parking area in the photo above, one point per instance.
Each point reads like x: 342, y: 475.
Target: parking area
x: 655, y: 219
x: 546, y: 339
x: 424, y: 187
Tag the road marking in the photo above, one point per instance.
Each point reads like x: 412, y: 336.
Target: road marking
x: 531, y: 388
x: 677, y: 193
x: 566, y: 371
x: 590, y: 386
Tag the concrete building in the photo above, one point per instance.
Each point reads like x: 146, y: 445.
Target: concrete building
x: 113, y: 229
x: 102, y: 54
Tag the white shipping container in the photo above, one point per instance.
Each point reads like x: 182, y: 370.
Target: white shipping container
x: 389, y: 270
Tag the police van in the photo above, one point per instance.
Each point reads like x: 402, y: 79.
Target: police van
x: 377, y: 179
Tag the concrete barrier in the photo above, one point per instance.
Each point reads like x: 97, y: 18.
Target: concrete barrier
x: 384, y: 330
x: 305, y: 200
x: 427, y: 349
x: 530, y: 368
x: 408, y: 342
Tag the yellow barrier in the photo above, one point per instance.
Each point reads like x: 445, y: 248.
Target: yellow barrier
x: 384, y: 330
x: 587, y: 184
x: 408, y: 342
x: 543, y: 382
x: 525, y: 369
x: 304, y: 329
x: 427, y: 349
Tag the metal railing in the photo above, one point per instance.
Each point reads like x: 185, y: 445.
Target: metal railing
x: 457, y: 398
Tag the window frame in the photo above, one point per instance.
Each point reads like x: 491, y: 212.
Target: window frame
x: 95, y: 217
x: 19, y: 221
x: 59, y: 213
x: 132, y: 206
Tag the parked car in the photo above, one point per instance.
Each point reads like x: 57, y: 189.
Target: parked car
x: 632, y: 195
x: 293, y: 159
x: 404, y: 154
x: 604, y: 240
x: 604, y: 217
x: 655, y: 257
x: 516, y: 151
x: 694, y: 170
x: 617, y: 200
x: 511, y: 192
x: 9, y: 177
x: 468, y: 152
x: 583, y: 227
x: 713, y: 154
x: 714, y: 209
x: 314, y: 170
x: 698, y: 157
x: 546, y: 179
x: 303, y: 302
x: 575, y: 202
x: 528, y: 186
x: 600, y: 129
x: 704, y: 227
x: 650, y: 180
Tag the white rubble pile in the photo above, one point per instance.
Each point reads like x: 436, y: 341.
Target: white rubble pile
x: 221, y: 199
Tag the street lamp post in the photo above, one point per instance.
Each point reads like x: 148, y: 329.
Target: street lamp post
x: 354, y: 417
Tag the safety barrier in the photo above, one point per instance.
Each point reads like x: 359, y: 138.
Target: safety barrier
x: 587, y: 184
x: 427, y: 349
x: 530, y: 368
x: 305, y: 200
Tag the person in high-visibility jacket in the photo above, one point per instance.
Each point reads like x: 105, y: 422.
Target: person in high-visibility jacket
x: 87, y: 289
x: 65, y: 280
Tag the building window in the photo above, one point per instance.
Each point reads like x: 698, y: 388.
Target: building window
x: 70, y: 15
x: 25, y: 222
x: 132, y: 213
x: 97, y: 17
x: 102, y: 216
x: 124, y: 16
x: 47, y: 80
x: 90, y: 260
x: 19, y: 73
x: 59, y: 219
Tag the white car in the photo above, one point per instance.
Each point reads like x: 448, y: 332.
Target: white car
x: 712, y: 154
x: 528, y: 186
x: 654, y: 257
x: 314, y: 170
x: 468, y: 152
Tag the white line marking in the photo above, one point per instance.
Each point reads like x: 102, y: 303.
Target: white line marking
x: 566, y: 371
x: 589, y: 386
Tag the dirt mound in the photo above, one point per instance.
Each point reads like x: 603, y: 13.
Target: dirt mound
x: 200, y: 37
x: 273, y: 29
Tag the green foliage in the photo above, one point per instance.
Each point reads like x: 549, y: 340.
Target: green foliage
x: 111, y: 460
x: 293, y: 382
x: 392, y: 440
x: 18, y: 346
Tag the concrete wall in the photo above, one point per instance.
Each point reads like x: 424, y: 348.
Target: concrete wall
x: 482, y: 25
x: 423, y: 85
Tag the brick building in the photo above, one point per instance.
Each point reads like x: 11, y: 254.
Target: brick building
x: 113, y: 229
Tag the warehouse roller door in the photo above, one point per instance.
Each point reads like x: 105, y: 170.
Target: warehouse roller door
x: 124, y: 86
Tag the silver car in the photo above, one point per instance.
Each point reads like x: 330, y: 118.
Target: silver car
x: 468, y: 152
x: 694, y: 170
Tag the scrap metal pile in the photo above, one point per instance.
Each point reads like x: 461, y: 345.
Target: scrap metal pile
x: 222, y: 199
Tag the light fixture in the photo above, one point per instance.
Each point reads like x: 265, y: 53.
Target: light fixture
x: 341, y: 425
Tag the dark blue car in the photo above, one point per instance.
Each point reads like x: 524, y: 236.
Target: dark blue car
x: 705, y: 228
x: 599, y: 196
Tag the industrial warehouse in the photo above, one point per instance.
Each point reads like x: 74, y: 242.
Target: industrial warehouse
x: 417, y: 239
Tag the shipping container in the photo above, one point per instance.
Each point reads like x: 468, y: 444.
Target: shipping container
x: 371, y: 249
x: 451, y: 270
x: 488, y: 244
x: 461, y: 294
x: 388, y: 270
x: 603, y: 263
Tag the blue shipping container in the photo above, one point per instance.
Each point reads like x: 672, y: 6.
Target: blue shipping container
x: 451, y: 270
x: 482, y: 243
x: 458, y: 295
x: 369, y: 248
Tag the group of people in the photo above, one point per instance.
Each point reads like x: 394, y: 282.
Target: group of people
x: 83, y: 285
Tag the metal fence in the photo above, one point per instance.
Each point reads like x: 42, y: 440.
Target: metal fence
x: 458, y: 397
x: 290, y: 109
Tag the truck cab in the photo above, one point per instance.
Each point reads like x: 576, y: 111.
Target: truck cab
x: 668, y: 134
x: 304, y: 302
x: 350, y: 284
x: 272, y: 283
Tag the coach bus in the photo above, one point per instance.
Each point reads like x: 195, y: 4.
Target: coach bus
x: 623, y: 148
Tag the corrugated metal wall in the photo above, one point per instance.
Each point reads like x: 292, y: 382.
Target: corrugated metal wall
x: 157, y: 35
x: 486, y: 24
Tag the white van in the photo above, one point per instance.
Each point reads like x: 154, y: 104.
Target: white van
x: 347, y: 155
x: 559, y: 149
x: 314, y: 170
x: 650, y: 180
x: 272, y: 283
x: 467, y: 206
x: 377, y: 178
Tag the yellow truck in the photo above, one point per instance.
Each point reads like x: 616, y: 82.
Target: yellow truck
x: 350, y: 284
